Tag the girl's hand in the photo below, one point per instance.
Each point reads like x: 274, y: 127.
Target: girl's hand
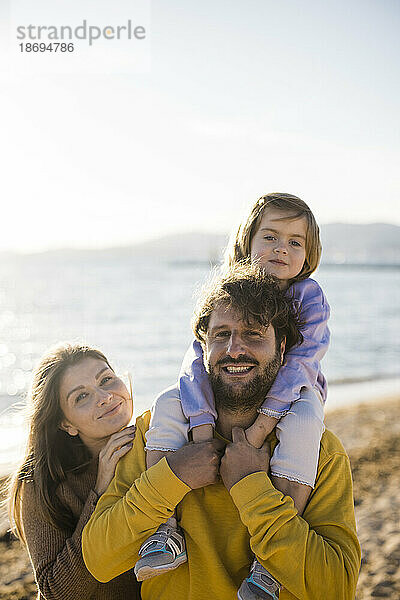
x: 117, y: 446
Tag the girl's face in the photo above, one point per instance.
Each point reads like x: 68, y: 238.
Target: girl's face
x: 94, y: 401
x: 278, y: 245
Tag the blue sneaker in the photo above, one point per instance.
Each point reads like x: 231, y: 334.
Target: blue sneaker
x: 161, y: 552
x: 259, y: 585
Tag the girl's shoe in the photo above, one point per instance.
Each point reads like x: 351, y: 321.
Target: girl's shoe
x: 259, y: 585
x: 161, y: 552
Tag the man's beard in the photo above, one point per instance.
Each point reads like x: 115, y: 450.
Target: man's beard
x: 244, y: 397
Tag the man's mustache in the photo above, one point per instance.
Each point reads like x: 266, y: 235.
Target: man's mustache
x: 227, y: 360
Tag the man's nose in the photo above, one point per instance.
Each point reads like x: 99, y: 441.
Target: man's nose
x: 235, y: 346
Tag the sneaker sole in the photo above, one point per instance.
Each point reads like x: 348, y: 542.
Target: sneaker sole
x: 147, y: 571
x: 250, y: 594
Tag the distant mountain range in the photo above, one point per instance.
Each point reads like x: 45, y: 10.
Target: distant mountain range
x: 343, y: 243
x: 375, y: 243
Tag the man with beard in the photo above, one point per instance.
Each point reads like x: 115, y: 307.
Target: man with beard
x: 223, y: 497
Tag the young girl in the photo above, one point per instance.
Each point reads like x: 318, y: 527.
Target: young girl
x: 78, y: 432
x: 282, y: 236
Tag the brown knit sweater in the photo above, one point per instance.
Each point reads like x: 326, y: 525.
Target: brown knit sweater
x: 56, y: 555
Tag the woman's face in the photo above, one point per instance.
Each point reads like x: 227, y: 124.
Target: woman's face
x: 94, y: 401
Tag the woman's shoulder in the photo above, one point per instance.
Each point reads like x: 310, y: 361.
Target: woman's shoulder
x: 28, y: 491
x: 72, y: 491
x: 79, y: 480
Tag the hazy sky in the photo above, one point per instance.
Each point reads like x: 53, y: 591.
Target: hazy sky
x: 241, y: 98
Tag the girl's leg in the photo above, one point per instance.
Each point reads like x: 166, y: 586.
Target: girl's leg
x: 154, y: 456
x: 299, y: 492
x: 168, y: 431
x: 202, y: 433
x: 295, y: 459
x: 257, y: 433
x: 293, y: 471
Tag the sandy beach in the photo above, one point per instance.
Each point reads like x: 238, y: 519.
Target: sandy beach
x: 371, y: 436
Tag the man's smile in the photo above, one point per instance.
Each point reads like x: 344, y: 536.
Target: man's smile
x: 237, y: 370
x: 244, y: 369
x: 237, y: 367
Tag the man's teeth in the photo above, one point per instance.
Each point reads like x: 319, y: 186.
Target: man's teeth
x: 238, y: 369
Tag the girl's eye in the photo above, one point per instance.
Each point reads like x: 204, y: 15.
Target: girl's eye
x: 295, y: 243
x: 269, y: 238
x: 105, y: 379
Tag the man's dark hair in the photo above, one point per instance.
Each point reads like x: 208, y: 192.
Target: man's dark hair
x: 255, y: 296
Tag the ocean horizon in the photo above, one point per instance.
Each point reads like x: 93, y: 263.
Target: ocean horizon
x: 138, y: 313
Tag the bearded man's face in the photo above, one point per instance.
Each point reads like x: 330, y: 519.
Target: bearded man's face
x: 241, y: 359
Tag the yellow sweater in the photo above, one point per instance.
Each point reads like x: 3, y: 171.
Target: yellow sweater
x: 314, y: 557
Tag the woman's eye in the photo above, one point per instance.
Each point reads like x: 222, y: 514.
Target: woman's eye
x: 221, y: 334
x: 81, y: 397
x: 253, y: 333
x: 105, y: 380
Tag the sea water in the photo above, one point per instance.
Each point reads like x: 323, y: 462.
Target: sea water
x: 138, y: 313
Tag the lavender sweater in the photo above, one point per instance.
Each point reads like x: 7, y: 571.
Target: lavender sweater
x: 300, y: 369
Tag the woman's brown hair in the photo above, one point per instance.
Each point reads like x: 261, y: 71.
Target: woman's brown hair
x: 50, y: 452
x: 239, y: 246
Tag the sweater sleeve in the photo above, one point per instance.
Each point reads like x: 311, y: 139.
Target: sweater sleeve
x: 195, y: 389
x: 56, y: 555
x: 127, y: 513
x: 302, y: 362
x: 310, y: 554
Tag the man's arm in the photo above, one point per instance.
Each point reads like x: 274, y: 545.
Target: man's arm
x: 314, y: 556
x: 138, y: 501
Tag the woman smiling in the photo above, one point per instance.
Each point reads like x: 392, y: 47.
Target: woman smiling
x: 78, y: 432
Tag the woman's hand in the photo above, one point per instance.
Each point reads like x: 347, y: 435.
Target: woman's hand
x: 117, y: 446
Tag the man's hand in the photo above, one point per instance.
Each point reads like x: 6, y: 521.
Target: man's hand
x: 197, y: 465
x: 241, y: 459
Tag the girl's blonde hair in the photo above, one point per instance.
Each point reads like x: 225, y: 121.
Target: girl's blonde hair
x: 239, y: 245
x: 50, y: 453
